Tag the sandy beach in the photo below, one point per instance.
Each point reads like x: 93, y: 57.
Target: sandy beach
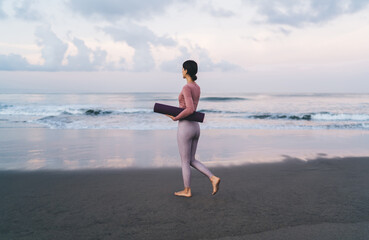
x: 316, y: 199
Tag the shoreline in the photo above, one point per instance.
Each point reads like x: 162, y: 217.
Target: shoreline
x: 42, y: 148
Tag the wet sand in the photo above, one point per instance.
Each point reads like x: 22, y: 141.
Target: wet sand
x: 72, y: 149
x: 316, y: 199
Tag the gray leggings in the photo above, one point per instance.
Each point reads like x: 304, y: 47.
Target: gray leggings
x: 188, y: 134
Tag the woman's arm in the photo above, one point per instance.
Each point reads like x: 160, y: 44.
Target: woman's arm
x: 189, y: 104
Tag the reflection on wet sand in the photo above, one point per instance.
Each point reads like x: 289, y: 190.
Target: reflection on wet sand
x: 35, y: 163
x: 41, y: 148
x: 118, y: 162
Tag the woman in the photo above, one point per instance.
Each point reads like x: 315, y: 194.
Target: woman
x: 189, y: 131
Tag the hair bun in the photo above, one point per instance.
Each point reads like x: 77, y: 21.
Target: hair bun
x: 194, y: 77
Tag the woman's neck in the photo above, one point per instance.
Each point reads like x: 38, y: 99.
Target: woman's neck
x: 189, y: 79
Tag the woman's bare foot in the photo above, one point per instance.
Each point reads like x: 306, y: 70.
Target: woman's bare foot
x: 215, y: 181
x: 184, y: 193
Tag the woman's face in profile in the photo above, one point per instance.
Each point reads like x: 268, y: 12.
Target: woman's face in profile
x: 184, y: 72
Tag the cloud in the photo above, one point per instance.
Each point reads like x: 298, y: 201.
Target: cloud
x: 136, y: 35
x: 175, y: 65
x: 220, y: 12
x: 206, y: 64
x: 284, y: 31
x: 299, y: 12
x: 23, y: 10
x: 14, y: 62
x: 86, y: 59
x: 2, y: 13
x: 115, y: 9
x: 140, y: 38
x: 53, y: 49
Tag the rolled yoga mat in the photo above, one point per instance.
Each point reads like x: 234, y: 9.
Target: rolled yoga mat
x: 174, y: 111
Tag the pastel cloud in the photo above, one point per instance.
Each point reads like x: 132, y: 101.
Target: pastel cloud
x: 201, y: 55
x: 140, y: 38
x: 116, y: 9
x: 53, y: 51
x: 2, y: 13
x: 14, y: 62
x: 23, y: 10
x: 218, y: 12
x: 299, y: 12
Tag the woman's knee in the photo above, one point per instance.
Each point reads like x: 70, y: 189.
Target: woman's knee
x: 186, y: 162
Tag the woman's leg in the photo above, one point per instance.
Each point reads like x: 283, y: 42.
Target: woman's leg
x: 185, y: 133
x: 195, y: 163
x: 215, y: 181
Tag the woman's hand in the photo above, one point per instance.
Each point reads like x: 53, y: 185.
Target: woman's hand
x: 171, y: 117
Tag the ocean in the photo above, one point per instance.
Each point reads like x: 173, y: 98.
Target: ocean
x: 134, y: 111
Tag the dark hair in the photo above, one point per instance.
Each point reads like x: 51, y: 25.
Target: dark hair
x: 191, y: 67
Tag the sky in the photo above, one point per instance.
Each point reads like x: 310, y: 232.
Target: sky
x: 139, y: 46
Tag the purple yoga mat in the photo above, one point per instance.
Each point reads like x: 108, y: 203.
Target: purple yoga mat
x: 174, y: 111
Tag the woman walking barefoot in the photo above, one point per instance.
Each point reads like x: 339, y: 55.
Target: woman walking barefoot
x: 188, y: 132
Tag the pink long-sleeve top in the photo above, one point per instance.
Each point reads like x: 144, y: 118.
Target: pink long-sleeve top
x: 188, y: 99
